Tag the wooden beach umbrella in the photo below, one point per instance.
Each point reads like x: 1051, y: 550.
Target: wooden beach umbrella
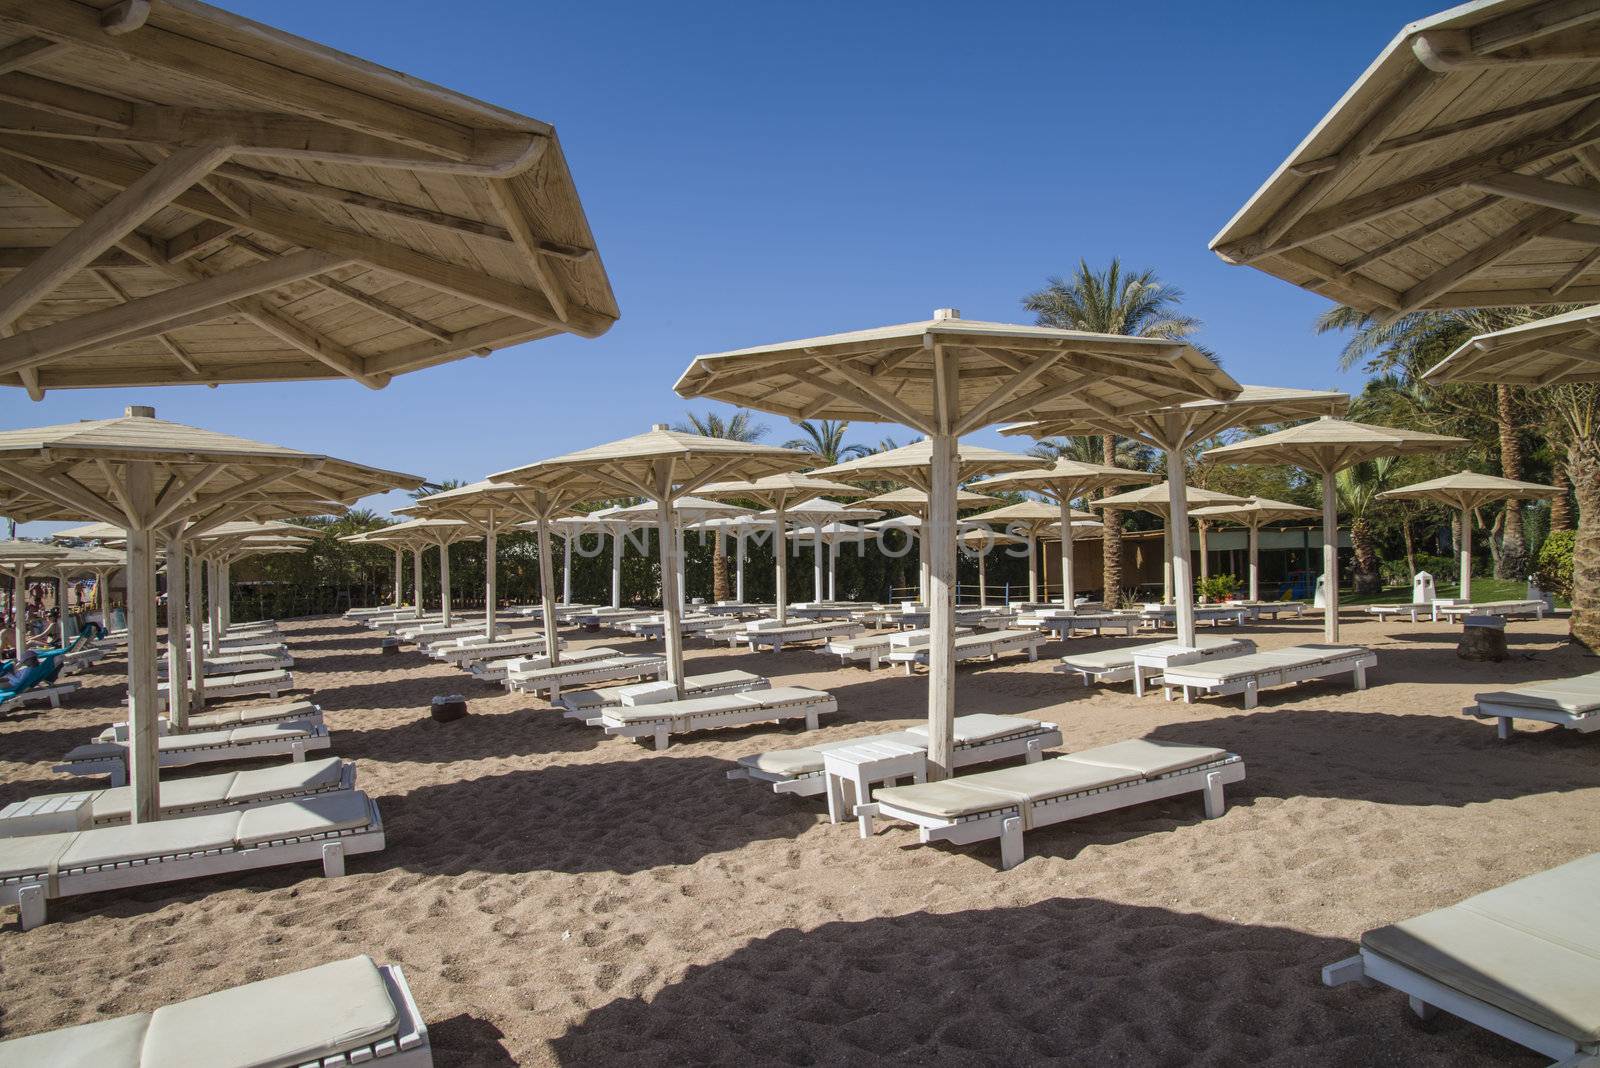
x: 945, y: 377
x: 1324, y: 447
x: 148, y: 476
x: 816, y: 515
x: 1253, y: 514
x: 1031, y: 519
x: 778, y: 492
x: 1466, y: 491
x: 977, y: 542
x: 1455, y: 172
x: 17, y: 559
x: 423, y: 534
x: 78, y: 561
x: 193, y: 197
x: 740, y: 527
x: 687, y: 511
x: 1159, y: 500
x: 662, y: 465
x: 603, y: 521
x: 1173, y: 430
x: 1063, y: 482
x: 360, y: 538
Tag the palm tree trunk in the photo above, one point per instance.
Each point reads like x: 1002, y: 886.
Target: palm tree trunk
x: 1411, y: 545
x: 1561, y: 504
x: 1111, y: 539
x: 1583, y: 467
x: 1366, y: 578
x: 719, y: 571
x: 1513, y: 560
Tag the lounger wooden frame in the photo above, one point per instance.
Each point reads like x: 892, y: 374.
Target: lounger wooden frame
x: 497, y: 671
x: 117, y: 732
x: 660, y: 731
x: 1522, y: 609
x: 50, y: 695
x: 585, y: 710
x: 294, y: 746
x: 499, y: 649
x: 229, y: 663
x: 30, y: 892
x: 1005, y: 821
x: 1297, y: 609
x: 551, y: 681
x: 989, y: 647
x: 1415, y: 611
x: 1504, y: 714
x: 1099, y: 622
x: 1426, y: 996
x: 1191, y: 679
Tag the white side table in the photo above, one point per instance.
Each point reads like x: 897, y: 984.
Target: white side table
x: 850, y: 771
x: 46, y: 815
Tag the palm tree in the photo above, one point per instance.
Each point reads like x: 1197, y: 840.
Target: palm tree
x: 740, y: 427
x: 1358, y: 488
x: 428, y: 489
x: 825, y: 439
x: 1111, y: 301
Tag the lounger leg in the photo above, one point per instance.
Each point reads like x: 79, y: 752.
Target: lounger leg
x: 1215, y: 803
x: 1033, y: 654
x: 1138, y: 682
x: 661, y: 739
x: 333, y: 859
x: 865, y: 813
x: 811, y: 720
x: 909, y: 670
x: 1349, y: 970
x: 30, y: 906
x: 1423, y: 1010
x: 1188, y: 695
x: 297, y: 752
x: 1250, y: 694
x: 1011, y: 843
x: 836, y: 807
x: 119, y: 774
x: 555, y: 692
x: 1361, y: 676
x: 1035, y: 751
x: 1505, y: 729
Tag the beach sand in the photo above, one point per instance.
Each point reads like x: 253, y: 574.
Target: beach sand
x: 558, y: 897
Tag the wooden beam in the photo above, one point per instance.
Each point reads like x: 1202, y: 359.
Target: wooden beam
x: 1579, y: 269
x: 124, y: 17
x: 28, y: 52
x: 173, y: 348
x: 111, y: 260
x: 872, y: 394
x: 500, y: 332
x: 199, y: 240
x: 120, y: 215
x: 311, y: 343
x: 514, y: 213
x: 1566, y: 136
x: 1532, y: 23
x: 1447, y: 51
x: 66, y: 101
x: 36, y: 346
x: 1477, y: 259
x: 1572, y: 198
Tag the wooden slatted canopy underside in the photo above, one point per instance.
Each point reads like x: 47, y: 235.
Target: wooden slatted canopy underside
x: 187, y: 196
x: 1461, y: 170
x: 1561, y: 350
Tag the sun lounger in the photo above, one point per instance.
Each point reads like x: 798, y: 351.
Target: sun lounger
x: 550, y: 681
x: 1522, y: 961
x: 1254, y: 672
x: 1116, y: 664
x: 986, y: 645
x: 38, y: 683
x: 992, y: 618
x: 979, y: 739
x: 1166, y: 615
x: 231, y: 663
x: 495, y: 671
x: 1505, y: 609
x: 1005, y: 803
x: 738, y: 608
x: 248, y: 716
x: 659, y: 721
x: 270, y: 683
x: 586, y: 704
x: 500, y: 649
x: 1414, y: 612
x: 775, y: 637
x: 608, y: 617
x: 50, y: 813
x: 1573, y: 703
x: 1066, y: 624
x: 874, y: 647
x: 656, y: 626
x: 429, y: 633
x: 347, y: 1012
x: 1274, y: 609
x: 38, y: 868
x: 823, y: 613
x: 294, y: 738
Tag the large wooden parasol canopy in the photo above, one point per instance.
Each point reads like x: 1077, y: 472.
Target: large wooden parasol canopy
x: 192, y: 197
x: 1456, y: 172
x: 1255, y: 513
x: 1466, y: 491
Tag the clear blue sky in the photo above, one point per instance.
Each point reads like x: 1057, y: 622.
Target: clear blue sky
x: 759, y: 172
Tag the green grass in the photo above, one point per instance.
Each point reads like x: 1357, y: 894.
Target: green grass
x: 1483, y: 589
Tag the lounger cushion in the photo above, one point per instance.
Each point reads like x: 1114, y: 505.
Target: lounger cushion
x: 981, y: 727
x: 1122, y: 655
x: 1577, y: 696
x: 278, y: 1022
x: 284, y: 778
x: 114, y: 1043
x: 1238, y: 667
x: 1007, y: 787
x: 775, y: 698
x: 346, y: 810
x: 31, y: 854
x: 1148, y: 759
x: 1531, y: 947
x: 267, y: 732
x: 117, y: 802
x: 792, y: 763
x: 185, y: 834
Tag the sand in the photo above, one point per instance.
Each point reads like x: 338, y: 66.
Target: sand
x: 558, y: 897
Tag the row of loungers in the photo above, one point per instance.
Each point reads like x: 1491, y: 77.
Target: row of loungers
x: 983, y: 645
x: 1220, y: 666
x: 657, y: 722
x: 1434, y: 611
x: 271, y: 683
x: 294, y: 739
x: 247, y: 716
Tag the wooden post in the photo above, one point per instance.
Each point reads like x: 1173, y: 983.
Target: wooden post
x: 547, y: 590
x: 61, y: 607
x: 922, y: 562
x: 19, y: 608
x: 1330, y: 555
x: 669, y: 582
x: 213, y: 604
x: 1069, y: 592
x: 1033, y: 565
x: 1178, y: 530
x: 1201, y: 530
x: 983, y: 577
x: 416, y: 575
x: 738, y: 566
x: 143, y: 711
x: 489, y: 576
x: 1166, y: 561
x: 102, y: 594
x: 1466, y: 554
x: 819, y: 590
x: 197, y: 645
x: 780, y: 550
x: 939, y: 536
x: 226, y: 595
x: 177, y: 659
x: 444, y: 582
x: 566, y: 566
x: 399, y: 577
x: 833, y: 569
x: 617, y: 538
x: 1255, y: 561
x: 683, y: 593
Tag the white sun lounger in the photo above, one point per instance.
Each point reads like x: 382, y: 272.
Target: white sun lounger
x: 979, y: 739
x: 499, y: 649
x: 550, y: 681
x: 1262, y: 609
x: 775, y: 637
x: 585, y: 704
x: 661, y: 720
x: 235, y: 663
x: 596, y: 618
x: 440, y: 648
x: 656, y: 627
x: 1505, y: 609
x: 347, y: 1012
x: 246, y: 684
x: 1257, y: 671
x: 248, y: 716
x: 1116, y: 664
x: 1217, y: 615
x: 1066, y: 624
x: 738, y: 608
x: 429, y: 633
x: 110, y: 807
x: 38, y: 868
x: 294, y: 739
x: 1414, y: 612
x: 875, y: 646
x: 50, y: 695
x: 1572, y: 703
x: 496, y: 671
x: 918, y: 618
x: 1522, y: 960
x: 987, y: 645
x: 1005, y: 803
x: 823, y: 613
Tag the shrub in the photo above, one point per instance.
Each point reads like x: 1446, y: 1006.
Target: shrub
x: 1552, y: 568
x: 1217, y: 587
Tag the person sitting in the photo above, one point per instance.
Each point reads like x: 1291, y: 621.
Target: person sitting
x: 10, y: 680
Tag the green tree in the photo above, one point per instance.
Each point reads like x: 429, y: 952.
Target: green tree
x: 1358, y: 488
x: 1111, y: 301
x: 825, y: 439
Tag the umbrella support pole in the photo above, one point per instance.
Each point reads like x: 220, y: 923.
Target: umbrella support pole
x: 547, y: 592
x: 669, y: 582
x: 1178, y: 537
x: 197, y: 645
x: 738, y: 568
x: 780, y: 543
x: 399, y: 577
x: 444, y: 583
x: 1330, y: 556
x: 616, y: 569
x: 1466, y: 555
x: 489, y: 570
x: 142, y: 711
x: 177, y: 655
x: 1255, y: 561
x: 1069, y: 590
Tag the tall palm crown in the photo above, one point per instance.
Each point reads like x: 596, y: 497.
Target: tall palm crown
x: 740, y: 427
x: 1112, y: 301
x: 825, y: 438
